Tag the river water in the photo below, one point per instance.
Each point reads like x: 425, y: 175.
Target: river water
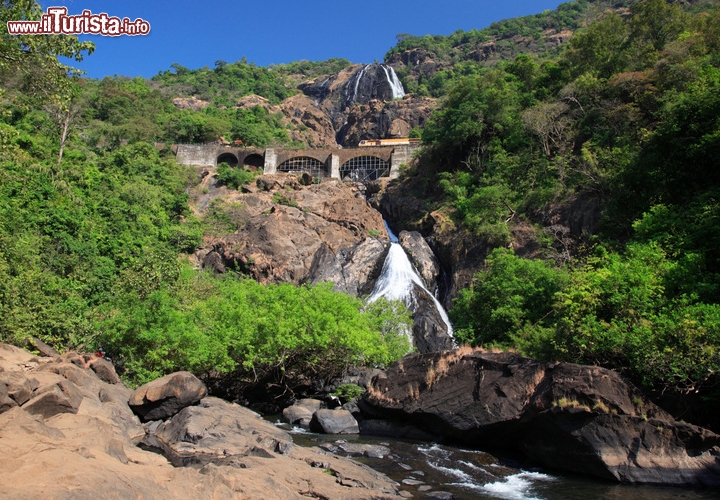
x: 430, y: 470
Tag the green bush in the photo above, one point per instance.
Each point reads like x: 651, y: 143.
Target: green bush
x: 234, y: 177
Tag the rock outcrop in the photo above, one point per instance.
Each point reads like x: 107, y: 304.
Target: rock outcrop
x: 571, y: 417
x: 421, y: 257
x: 166, y: 396
x: 378, y: 119
x: 297, y: 234
x: 90, y: 450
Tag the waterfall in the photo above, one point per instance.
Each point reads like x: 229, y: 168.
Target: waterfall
x: 398, y: 279
x: 357, y: 82
x: 397, y: 89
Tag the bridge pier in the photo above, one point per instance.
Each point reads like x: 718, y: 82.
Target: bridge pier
x: 333, y: 166
x: 270, y: 161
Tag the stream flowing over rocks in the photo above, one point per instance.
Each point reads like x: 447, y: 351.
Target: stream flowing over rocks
x: 328, y: 232
x: 575, y: 418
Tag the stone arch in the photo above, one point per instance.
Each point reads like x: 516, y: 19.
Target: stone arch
x: 365, y: 168
x: 254, y: 162
x: 228, y: 158
x: 313, y: 166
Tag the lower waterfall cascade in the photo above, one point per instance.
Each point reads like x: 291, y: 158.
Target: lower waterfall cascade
x: 398, y: 279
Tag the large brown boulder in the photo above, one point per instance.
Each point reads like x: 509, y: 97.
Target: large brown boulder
x: 572, y: 417
x: 166, y: 396
x: 215, y: 430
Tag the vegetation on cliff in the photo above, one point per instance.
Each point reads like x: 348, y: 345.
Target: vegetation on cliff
x: 626, y: 116
x: 92, y: 241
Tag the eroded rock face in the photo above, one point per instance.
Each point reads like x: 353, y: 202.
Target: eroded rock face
x: 422, y: 258
x: 92, y: 452
x: 578, y: 418
x: 379, y: 119
x: 430, y: 332
x: 325, y: 236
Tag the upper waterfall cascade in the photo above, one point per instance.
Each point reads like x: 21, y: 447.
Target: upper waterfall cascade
x: 366, y: 83
x: 397, y: 89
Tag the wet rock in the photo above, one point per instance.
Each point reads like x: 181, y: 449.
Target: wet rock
x: 571, y: 417
x: 421, y: 257
x: 166, y: 396
x: 367, y: 450
x: 430, y: 332
x: 298, y: 415
x: 334, y: 422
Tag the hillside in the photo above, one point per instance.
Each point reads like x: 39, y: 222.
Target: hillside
x: 567, y: 183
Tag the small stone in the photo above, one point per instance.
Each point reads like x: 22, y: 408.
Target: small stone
x: 412, y: 482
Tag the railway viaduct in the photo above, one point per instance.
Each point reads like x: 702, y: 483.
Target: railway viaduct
x: 362, y: 163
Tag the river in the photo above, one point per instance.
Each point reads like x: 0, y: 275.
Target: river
x: 430, y: 470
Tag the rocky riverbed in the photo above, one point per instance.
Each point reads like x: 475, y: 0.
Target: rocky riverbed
x: 67, y: 432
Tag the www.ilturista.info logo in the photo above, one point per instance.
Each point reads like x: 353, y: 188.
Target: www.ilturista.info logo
x: 58, y: 22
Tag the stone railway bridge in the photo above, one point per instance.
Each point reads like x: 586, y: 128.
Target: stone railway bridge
x: 363, y: 163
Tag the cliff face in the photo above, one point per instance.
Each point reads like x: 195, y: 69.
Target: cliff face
x: 364, y: 102
x: 379, y: 120
x: 302, y: 233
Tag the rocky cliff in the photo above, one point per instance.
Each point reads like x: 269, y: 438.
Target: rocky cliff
x: 570, y: 417
x: 302, y: 233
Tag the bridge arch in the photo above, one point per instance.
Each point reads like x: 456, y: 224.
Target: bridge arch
x: 254, y: 162
x: 365, y: 168
x: 313, y: 166
x: 228, y: 158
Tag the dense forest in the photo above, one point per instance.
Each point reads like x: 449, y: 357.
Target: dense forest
x: 95, y: 224
x: 625, y: 118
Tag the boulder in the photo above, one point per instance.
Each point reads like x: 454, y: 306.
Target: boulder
x: 166, y: 396
x: 297, y: 415
x: 334, y: 422
x: 17, y: 386
x: 49, y: 400
x: 422, y: 258
x: 571, y: 417
x: 214, y: 430
x: 105, y: 370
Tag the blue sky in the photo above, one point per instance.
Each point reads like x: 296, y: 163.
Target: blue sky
x: 196, y: 34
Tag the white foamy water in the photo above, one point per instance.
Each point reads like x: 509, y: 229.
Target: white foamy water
x: 397, y: 280
x: 357, y: 82
x: 397, y: 89
x: 517, y: 486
